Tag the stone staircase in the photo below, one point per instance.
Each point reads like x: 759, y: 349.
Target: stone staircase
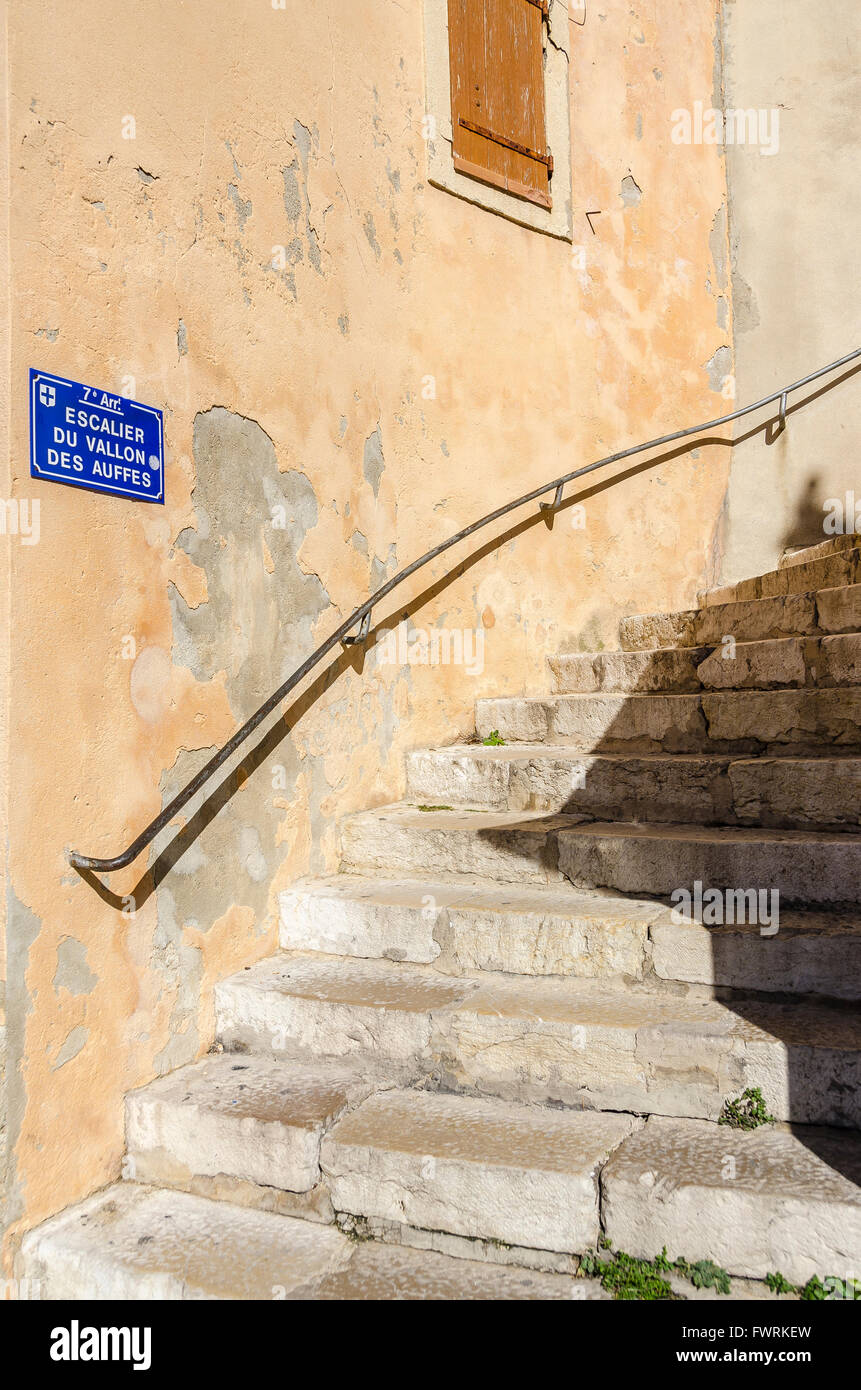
x: 489, y: 1043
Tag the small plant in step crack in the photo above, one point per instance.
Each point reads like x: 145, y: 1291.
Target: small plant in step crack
x: 629, y: 1278
x: 748, y: 1111
x: 436, y: 808
x: 705, y: 1274
x: 778, y: 1283
x: 493, y: 740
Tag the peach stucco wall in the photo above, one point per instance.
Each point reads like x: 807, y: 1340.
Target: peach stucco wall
x: 140, y: 636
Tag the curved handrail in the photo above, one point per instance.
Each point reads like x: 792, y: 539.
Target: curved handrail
x: 362, y: 615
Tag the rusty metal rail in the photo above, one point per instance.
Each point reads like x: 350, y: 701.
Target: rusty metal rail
x: 361, y: 618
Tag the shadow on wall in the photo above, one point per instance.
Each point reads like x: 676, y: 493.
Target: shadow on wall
x: 806, y: 526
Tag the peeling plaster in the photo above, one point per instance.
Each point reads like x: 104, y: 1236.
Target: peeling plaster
x: 22, y: 931
x: 718, y: 367
x: 74, y: 1043
x: 373, y: 463
x: 630, y: 192
x: 73, y: 973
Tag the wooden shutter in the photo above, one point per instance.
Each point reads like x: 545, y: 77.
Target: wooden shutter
x: 496, y: 57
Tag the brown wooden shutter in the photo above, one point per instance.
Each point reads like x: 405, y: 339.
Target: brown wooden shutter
x: 496, y: 56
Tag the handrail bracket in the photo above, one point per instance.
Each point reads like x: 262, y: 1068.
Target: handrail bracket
x: 355, y: 639
x: 557, y: 500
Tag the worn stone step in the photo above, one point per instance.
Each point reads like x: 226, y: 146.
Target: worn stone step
x: 754, y: 1202
x: 812, y: 953
x: 796, y: 793
x: 463, y: 925
x: 828, y: 610
x: 802, y: 866
x: 701, y: 789
x: 668, y: 670
x: 247, y: 1118
x: 808, y: 573
x: 139, y: 1243
x: 503, y: 846
x: 544, y: 777
x: 574, y: 1043
x: 779, y: 662
x: 788, y: 661
x: 646, y: 858
x: 802, y: 554
x: 482, y: 1169
x: 729, y: 721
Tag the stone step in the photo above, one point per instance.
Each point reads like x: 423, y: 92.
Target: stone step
x: 745, y: 721
x: 754, y: 1202
x: 802, y: 866
x: 482, y: 1169
x: 667, y: 670
x: 139, y: 1243
x: 828, y: 610
x: 403, y: 841
x: 247, y: 1118
x: 806, y: 553
x: 812, y: 953
x: 701, y: 789
x: 780, y: 662
x: 461, y: 926
x: 544, y: 777
x: 806, y: 867
x: 808, y: 573
x: 572, y: 1043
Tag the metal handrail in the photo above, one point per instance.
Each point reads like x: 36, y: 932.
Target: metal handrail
x: 362, y: 615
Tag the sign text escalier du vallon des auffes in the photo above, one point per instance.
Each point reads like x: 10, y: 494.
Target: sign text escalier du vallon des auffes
x: 90, y: 438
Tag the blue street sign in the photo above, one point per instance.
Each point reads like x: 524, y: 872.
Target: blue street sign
x: 95, y: 439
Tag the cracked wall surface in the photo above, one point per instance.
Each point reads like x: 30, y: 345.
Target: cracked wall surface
x: 353, y: 365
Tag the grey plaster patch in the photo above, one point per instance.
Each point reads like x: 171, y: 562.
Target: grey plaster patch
x: 371, y: 234
x: 22, y: 929
x: 297, y: 203
x: 252, y: 632
x: 373, y: 463
x: 383, y: 569
x: 745, y: 307
x: 243, y: 207
x: 251, y: 854
x: 74, y: 1043
x: 181, y: 339
x: 630, y: 192
x: 718, y: 246
x: 718, y: 367
x: 255, y: 626
x: 72, y: 972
